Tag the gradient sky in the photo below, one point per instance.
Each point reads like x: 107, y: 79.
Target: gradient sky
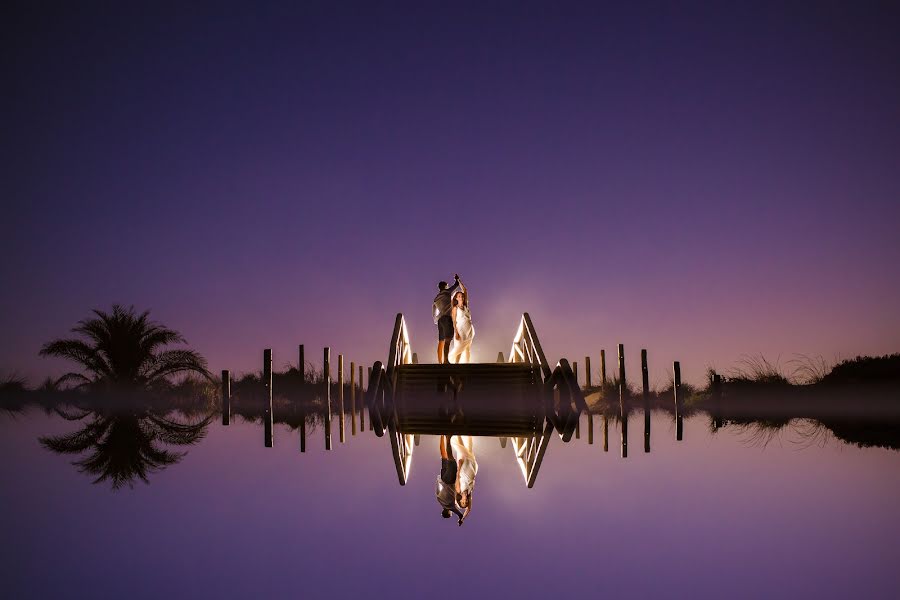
x: 705, y: 181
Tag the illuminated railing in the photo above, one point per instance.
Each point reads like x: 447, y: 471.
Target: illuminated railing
x: 380, y: 399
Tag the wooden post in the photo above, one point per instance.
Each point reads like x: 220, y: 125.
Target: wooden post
x: 352, y: 398
x: 415, y: 362
x: 368, y: 380
x: 226, y: 397
x: 575, y: 370
x: 590, y: 420
x: 645, y: 388
x: 587, y: 371
x: 717, y: 401
x: 679, y: 401
x: 301, y: 365
x: 326, y: 375
x: 603, y: 368
x: 362, y: 402
x: 341, y: 396
x: 623, y: 391
x: 623, y: 414
x: 268, y: 418
x: 500, y: 359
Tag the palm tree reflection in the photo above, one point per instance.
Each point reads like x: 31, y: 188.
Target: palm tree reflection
x: 123, y: 447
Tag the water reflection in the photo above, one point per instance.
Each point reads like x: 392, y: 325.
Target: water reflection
x: 123, y: 447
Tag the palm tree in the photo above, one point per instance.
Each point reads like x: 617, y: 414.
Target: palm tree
x: 123, y: 349
x: 123, y: 447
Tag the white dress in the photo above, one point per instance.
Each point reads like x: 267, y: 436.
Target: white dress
x: 466, y: 332
x: 464, y: 452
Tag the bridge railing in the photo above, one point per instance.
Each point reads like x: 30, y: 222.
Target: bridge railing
x: 563, y: 395
x: 380, y: 399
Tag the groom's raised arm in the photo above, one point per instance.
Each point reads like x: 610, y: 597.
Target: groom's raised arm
x: 453, y: 287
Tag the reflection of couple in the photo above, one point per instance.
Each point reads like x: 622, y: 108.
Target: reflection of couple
x: 457, y: 481
x: 454, y: 322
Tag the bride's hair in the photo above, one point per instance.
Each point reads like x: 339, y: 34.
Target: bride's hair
x: 465, y: 299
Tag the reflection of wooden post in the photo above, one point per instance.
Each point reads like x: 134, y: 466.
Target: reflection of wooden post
x: 369, y: 380
x: 301, y: 365
x: 590, y: 421
x: 645, y: 388
x: 500, y: 359
x: 302, y: 431
x: 605, y: 433
x: 587, y: 371
x: 415, y: 362
x: 226, y: 397
x: 503, y: 442
x: 679, y: 401
x: 352, y: 398
x: 603, y: 368
x: 341, y: 396
x: 575, y: 370
x: 268, y: 418
x: 326, y: 375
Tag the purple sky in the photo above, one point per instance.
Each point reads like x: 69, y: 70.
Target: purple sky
x: 706, y: 183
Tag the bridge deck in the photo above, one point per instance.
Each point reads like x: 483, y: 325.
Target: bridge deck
x: 498, y: 399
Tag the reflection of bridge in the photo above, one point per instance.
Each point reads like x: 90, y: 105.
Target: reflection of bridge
x: 523, y: 399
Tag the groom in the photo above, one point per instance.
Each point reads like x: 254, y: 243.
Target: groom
x: 441, y: 311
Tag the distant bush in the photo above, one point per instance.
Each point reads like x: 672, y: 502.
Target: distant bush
x: 866, y: 369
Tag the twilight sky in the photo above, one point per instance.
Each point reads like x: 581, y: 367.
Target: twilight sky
x: 706, y: 182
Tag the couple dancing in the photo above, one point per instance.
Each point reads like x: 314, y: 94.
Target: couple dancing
x: 457, y: 481
x: 454, y: 322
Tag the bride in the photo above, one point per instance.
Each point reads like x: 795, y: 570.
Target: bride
x: 464, y: 331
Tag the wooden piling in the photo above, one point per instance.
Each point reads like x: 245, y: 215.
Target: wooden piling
x: 590, y: 424
x: 645, y: 391
x: 226, y: 397
x: 717, y: 401
x: 415, y: 361
x: 301, y: 364
x: 622, y: 365
x: 352, y: 398
x: 575, y: 370
x: 268, y: 417
x: 326, y: 376
x: 341, y: 396
x: 679, y: 402
x: 677, y: 386
x: 368, y: 380
x: 500, y: 359
x: 603, y: 368
x: 587, y: 371
x: 362, y: 402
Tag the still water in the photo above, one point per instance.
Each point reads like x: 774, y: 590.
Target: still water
x: 741, y: 512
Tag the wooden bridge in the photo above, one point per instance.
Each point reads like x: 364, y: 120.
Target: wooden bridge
x: 522, y: 399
